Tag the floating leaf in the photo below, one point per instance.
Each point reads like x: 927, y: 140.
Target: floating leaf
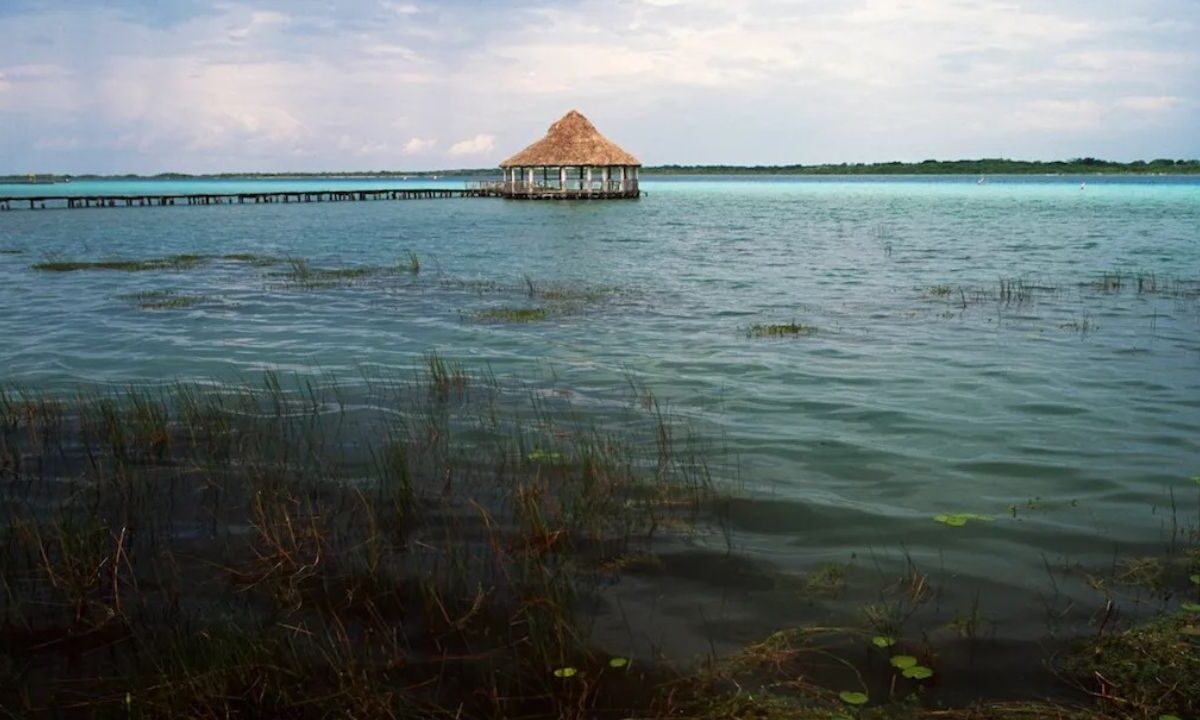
x: 565, y: 672
x: 883, y: 641
x: 618, y: 662
x: 1190, y: 607
x: 917, y: 672
x: 903, y: 662
x: 1169, y: 717
x: 853, y: 698
x: 959, y: 519
x: 1195, y: 579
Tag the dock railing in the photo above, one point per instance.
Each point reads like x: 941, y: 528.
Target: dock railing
x: 578, y: 188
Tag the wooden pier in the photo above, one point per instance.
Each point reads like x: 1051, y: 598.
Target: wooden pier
x: 45, y: 202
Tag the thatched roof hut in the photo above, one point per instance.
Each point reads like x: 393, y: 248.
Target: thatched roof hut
x: 573, y: 160
x: 572, y: 141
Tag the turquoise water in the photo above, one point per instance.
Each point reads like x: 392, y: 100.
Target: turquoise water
x: 1068, y: 412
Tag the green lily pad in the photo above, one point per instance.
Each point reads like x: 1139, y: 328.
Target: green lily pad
x: 1169, y: 717
x: 565, y: 672
x: 959, y: 519
x: 903, y: 662
x: 618, y: 662
x: 1195, y: 579
x: 1190, y: 607
x: 917, y: 672
x: 853, y: 698
x: 883, y: 641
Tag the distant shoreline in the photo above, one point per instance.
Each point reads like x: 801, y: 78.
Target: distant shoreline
x: 1084, y: 166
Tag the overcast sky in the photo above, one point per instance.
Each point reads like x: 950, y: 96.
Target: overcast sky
x: 208, y: 86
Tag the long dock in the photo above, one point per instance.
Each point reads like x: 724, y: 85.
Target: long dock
x: 45, y: 202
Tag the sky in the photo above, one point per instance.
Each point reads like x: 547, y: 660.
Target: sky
x: 146, y: 86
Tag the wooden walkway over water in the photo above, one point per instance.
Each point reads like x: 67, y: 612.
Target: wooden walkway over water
x: 45, y: 202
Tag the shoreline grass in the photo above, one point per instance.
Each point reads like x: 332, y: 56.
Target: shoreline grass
x: 431, y: 549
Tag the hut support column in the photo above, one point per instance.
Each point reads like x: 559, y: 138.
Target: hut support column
x: 604, y: 178
x: 562, y: 178
x: 589, y: 179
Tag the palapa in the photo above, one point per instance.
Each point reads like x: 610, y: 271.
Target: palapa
x: 572, y: 141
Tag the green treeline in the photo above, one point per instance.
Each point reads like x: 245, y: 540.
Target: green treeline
x: 984, y: 166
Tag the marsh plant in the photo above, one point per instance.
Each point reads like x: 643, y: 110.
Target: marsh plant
x: 301, y: 549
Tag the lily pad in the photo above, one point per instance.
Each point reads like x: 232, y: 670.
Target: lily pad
x: 959, y: 519
x: 853, y: 698
x: 1195, y: 579
x: 618, y: 662
x: 565, y: 672
x: 883, y: 641
x: 917, y: 672
x: 1169, y: 717
x: 1190, y: 607
x: 903, y: 662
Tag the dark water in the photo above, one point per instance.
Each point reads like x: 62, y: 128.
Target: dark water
x: 1027, y: 351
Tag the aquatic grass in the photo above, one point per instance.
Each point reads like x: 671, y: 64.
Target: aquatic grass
x: 303, y: 274
x: 828, y: 580
x: 780, y: 330
x: 1144, y: 671
x: 171, y: 262
x: 513, y: 314
x: 252, y: 259
x: 162, y: 300
x: 311, y: 549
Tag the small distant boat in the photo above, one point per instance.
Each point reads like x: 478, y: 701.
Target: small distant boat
x: 982, y: 180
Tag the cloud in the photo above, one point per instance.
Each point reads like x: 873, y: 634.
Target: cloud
x: 260, y: 84
x: 416, y: 146
x: 1150, y: 104
x: 477, y: 145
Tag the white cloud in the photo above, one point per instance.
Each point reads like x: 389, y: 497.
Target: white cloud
x: 1150, y: 104
x: 416, y: 146
x: 402, y: 8
x: 477, y: 145
x: 743, y: 81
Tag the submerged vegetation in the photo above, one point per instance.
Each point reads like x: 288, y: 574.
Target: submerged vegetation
x: 163, y: 300
x: 170, y: 262
x: 513, y: 314
x: 791, y: 329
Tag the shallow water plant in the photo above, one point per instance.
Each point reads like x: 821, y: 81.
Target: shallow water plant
x: 778, y: 330
x: 960, y: 519
x: 171, y: 262
x: 851, y: 697
x: 162, y: 300
x: 510, y: 314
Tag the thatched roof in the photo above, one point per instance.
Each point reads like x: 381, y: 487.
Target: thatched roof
x: 571, y: 141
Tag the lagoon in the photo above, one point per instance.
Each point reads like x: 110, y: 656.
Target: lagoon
x: 1001, y: 385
